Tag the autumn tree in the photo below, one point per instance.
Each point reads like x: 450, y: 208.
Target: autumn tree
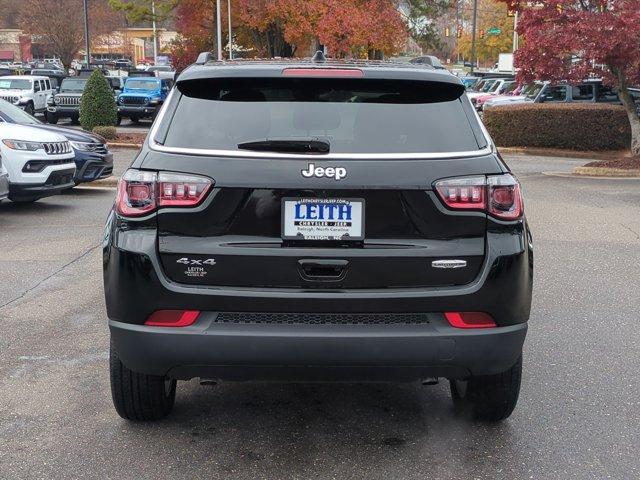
x: 361, y: 28
x: 577, y: 39
x: 195, y: 22
x: 279, y: 28
x: 61, y: 28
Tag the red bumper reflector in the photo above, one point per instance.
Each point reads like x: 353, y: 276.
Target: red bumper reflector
x: 469, y: 320
x: 172, y: 318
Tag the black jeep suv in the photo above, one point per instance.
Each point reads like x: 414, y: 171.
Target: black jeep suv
x: 317, y: 221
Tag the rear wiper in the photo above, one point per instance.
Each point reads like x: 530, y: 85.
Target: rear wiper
x: 287, y: 145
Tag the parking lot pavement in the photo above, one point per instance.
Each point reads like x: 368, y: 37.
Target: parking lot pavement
x: 578, y: 415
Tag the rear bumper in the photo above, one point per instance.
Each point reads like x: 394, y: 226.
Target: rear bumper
x: 136, y: 286
x: 226, y: 351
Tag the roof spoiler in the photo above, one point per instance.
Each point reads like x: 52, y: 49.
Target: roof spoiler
x: 204, y: 57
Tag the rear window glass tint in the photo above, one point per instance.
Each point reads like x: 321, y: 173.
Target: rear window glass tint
x: 353, y: 115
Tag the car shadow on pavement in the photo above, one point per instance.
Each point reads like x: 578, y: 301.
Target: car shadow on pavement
x: 291, y: 424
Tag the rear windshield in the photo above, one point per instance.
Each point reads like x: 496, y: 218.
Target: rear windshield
x: 351, y: 115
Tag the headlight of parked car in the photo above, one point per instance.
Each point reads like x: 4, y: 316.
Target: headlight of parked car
x: 81, y: 146
x: 23, y: 145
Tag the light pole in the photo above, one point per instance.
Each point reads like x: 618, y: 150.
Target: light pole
x: 218, y: 30
x: 230, y: 36
x: 86, y: 30
x: 473, y: 33
x: 155, y: 39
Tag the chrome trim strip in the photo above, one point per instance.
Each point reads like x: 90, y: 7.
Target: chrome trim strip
x: 153, y: 145
x: 449, y: 264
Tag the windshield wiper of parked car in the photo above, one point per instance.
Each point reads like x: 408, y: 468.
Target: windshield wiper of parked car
x: 288, y: 145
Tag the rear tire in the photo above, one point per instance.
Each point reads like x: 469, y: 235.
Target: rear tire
x: 489, y: 398
x: 29, y: 108
x: 137, y: 396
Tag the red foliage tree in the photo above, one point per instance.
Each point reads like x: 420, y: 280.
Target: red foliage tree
x: 361, y: 27
x: 281, y: 27
x: 576, y: 39
x: 194, y: 21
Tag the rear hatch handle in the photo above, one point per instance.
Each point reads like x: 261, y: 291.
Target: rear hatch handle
x: 323, y: 270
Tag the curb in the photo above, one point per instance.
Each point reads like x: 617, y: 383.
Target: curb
x: 124, y: 145
x: 606, y: 172
x: 109, y: 182
x: 543, y: 152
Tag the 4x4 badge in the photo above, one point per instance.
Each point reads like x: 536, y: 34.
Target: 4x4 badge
x: 331, y: 172
x: 194, y: 261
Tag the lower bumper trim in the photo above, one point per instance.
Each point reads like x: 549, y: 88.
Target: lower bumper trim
x: 391, y: 352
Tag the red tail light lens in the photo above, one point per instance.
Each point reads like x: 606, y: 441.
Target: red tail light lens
x: 463, y: 193
x: 136, y: 193
x: 172, y: 318
x: 469, y: 320
x: 498, y: 195
x: 505, y: 199
x: 182, y: 190
x: 141, y: 193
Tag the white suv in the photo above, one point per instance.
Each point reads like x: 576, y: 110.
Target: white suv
x: 29, y: 92
x: 40, y: 163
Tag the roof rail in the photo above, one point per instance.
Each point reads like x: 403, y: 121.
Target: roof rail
x: 204, y: 57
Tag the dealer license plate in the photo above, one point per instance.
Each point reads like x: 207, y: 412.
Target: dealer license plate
x: 323, y: 218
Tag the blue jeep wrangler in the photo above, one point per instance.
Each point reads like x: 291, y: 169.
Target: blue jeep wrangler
x: 142, y: 97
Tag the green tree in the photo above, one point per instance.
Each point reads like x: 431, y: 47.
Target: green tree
x: 142, y: 10
x: 97, y: 105
x: 420, y: 16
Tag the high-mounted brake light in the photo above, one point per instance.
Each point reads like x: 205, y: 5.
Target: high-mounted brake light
x: 498, y: 195
x: 172, y: 318
x: 323, y: 72
x: 469, y: 320
x: 141, y: 193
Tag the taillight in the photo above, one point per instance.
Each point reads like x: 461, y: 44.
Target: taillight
x: 463, y: 193
x: 172, y: 318
x: 505, y: 199
x: 469, y: 320
x: 498, y: 195
x: 136, y: 193
x: 141, y: 193
x: 178, y: 190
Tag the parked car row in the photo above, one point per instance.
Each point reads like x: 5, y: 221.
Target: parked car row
x: 137, y: 97
x: 589, y: 91
x: 40, y: 160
